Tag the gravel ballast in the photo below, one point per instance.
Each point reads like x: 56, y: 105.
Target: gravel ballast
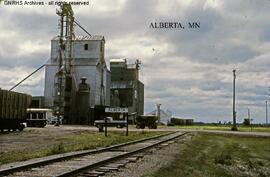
x: 153, y: 159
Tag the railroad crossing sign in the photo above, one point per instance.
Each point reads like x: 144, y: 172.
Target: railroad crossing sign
x: 116, y: 110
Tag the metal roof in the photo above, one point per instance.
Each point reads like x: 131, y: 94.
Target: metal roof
x: 131, y: 66
x: 119, y: 60
x: 38, y: 110
x: 81, y: 38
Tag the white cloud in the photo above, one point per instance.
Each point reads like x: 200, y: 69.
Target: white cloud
x: 31, y: 47
x: 214, y: 4
x: 189, y: 71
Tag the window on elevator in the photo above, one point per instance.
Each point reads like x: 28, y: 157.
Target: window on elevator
x: 85, y: 46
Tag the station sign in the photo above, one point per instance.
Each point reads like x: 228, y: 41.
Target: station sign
x: 116, y: 110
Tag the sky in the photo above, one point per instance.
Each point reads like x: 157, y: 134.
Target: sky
x: 188, y: 71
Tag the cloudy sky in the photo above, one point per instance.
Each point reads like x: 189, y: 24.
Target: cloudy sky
x: 189, y: 71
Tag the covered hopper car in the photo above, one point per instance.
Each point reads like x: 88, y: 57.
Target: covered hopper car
x: 13, y: 107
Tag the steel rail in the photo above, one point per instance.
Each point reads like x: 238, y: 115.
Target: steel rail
x: 98, y: 164
x: 14, y: 169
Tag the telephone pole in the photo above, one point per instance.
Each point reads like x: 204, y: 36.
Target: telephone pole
x: 249, y: 115
x: 250, y: 120
x: 158, y: 112
x: 234, y: 127
x: 266, y: 113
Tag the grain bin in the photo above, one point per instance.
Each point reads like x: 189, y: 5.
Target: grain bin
x: 82, y: 104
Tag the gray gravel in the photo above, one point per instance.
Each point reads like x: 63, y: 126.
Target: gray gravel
x: 153, y: 159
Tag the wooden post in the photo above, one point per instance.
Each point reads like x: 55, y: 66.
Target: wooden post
x: 106, y: 126
x: 127, y: 124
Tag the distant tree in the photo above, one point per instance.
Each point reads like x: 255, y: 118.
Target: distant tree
x: 246, y: 122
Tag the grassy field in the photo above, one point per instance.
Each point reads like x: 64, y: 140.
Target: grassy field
x: 68, y: 143
x: 220, y: 155
x: 241, y: 128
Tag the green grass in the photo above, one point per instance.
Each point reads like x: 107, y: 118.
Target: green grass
x: 241, y: 128
x: 79, y: 141
x: 220, y: 155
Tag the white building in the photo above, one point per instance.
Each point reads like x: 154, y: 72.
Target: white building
x: 87, y: 61
x: 165, y: 116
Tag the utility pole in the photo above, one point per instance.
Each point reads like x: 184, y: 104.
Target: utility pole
x: 158, y: 112
x: 234, y: 127
x: 249, y: 115
x: 266, y: 113
x: 250, y: 120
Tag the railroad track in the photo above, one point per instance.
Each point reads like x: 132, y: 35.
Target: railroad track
x: 92, y: 163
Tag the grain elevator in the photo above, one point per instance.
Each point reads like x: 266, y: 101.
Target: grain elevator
x: 126, y: 88
x: 88, y: 63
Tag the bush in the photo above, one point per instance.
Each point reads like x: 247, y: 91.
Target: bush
x: 246, y: 122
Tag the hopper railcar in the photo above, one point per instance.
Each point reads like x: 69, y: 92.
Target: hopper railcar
x: 13, y: 107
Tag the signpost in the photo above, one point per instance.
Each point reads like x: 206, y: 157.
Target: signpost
x: 106, y: 126
x: 117, y: 110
